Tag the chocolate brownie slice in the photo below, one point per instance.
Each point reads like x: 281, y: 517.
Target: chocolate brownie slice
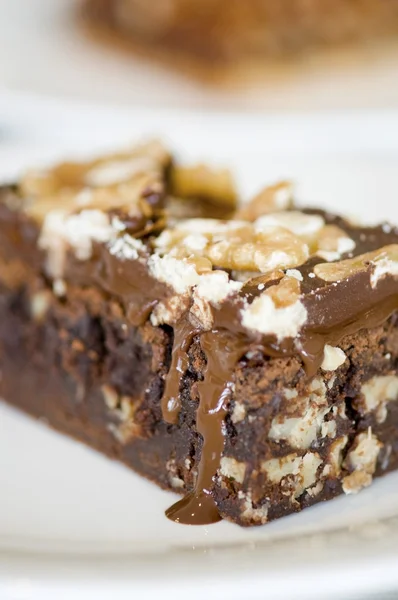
x: 245, y: 357
x: 222, y: 32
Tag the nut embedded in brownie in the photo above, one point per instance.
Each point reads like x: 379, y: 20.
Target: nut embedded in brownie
x: 245, y: 356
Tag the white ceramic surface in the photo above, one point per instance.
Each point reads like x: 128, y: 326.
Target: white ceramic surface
x: 75, y: 525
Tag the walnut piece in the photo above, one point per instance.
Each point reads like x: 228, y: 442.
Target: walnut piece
x: 271, y: 199
x: 234, y: 245
x: 261, y: 251
x: 292, y: 472
x: 361, y: 461
x: 232, y: 469
x: 284, y: 293
x: 331, y: 242
x: 332, y: 272
x: 129, y: 185
x: 301, y: 431
x: 333, y: 358
x: 200, y: 181
x: 375, y: 395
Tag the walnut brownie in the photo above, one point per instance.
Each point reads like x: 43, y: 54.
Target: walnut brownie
x: 222, y: 32
x: 245, y: 357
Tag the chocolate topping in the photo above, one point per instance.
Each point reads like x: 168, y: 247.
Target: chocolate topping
x: 222, y: 350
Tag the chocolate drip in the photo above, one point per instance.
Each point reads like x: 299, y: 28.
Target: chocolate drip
x: 184, y: 333
x: 223, y: 350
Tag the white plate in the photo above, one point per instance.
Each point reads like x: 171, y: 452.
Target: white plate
x: 43, y: 51
x: 75, y: 525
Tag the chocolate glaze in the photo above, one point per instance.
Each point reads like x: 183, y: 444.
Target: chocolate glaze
x: 334, y: 311
x: 127, y: 280
x: 222, y: 350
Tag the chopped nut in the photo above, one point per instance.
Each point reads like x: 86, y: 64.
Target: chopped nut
x: 285, y: 293
x: 363, y: 453
x: 274, y: 242
x: 201, y: 264
x: 257, y: 283
x: 176, y: 482
x: 356, y: 481
x: 126, y: 247
x: 333, y: 358
x: 332, y: 272
x: 303, y: 470
x: 232, y: 469
x: 329, y: 429
x: 317, y: 489
x: 277, y: 468
x: 265, y: 316
x: 130, y: 184
x: 179, y: 274
x: 251, y: 514
x: 262, y: 251
x: 235, y: 245
x: 78, y: 231
x: 298, y: 223
x: 385, y: 265
x: 377, y: 392
x: 113, y: 172
x: 331, y: 242
x: 270, y: 199
x: 238, y: 413
x: 216, y: 186
x: 212, y: 289
x: 170, y: 311
x: 173, y: 474
x: 301, y: 432
x: 331, y: 381
x: 336, y: 455
x: 112, y: 169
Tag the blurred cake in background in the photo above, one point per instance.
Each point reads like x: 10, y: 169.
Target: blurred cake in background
x: 224, y: 31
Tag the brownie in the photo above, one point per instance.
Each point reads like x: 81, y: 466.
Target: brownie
x: 224, y: 32
x: 244, y: 356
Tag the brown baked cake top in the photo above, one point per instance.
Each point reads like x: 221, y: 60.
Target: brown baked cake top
x: 175, y: 247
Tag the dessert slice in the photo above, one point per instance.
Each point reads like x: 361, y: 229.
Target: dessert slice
x: 244, y: 357
x: 223, y: 33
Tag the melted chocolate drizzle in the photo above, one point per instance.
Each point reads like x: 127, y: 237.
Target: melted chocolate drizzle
x: 222, y: 349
